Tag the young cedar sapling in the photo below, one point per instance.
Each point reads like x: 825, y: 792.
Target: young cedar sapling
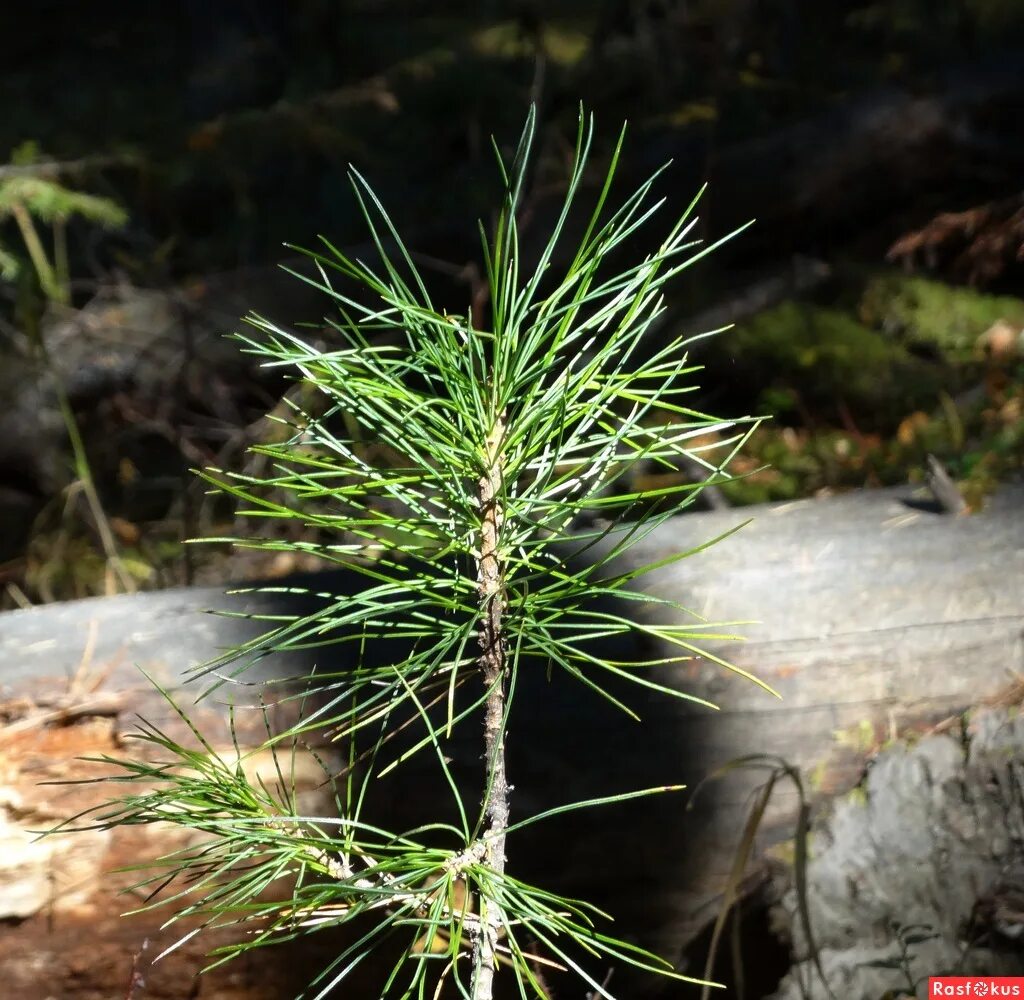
x: 448, y: 465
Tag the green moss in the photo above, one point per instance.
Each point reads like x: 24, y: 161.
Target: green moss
x: 864, y: 390
x: 817, y: 776
x: 803, y: 337
x: 860, y: 737
x: 813, y: 355
x: 916, y: 312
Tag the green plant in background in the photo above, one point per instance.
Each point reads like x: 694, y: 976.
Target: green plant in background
x: 501, y: 437
x: 30, y: 191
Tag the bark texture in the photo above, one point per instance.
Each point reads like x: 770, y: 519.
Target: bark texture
x: 921, y: 872
x: 493, y: 646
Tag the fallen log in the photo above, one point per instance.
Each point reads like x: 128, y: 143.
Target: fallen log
x: 877, y: 617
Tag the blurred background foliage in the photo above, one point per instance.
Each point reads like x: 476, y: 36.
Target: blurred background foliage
x: 878, y: 301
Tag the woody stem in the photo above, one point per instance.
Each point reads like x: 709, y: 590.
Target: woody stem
x: 492, y: 664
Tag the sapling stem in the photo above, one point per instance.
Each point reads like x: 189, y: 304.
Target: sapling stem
x: 492, y: 661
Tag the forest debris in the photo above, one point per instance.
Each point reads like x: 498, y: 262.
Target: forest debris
x: 61, y: 710
x: 79, y: 700
x: 1002, y: 341
x: 945, y: 491
x: 977, y: 246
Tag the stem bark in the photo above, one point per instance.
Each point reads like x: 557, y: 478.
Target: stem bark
x: 492, y: 662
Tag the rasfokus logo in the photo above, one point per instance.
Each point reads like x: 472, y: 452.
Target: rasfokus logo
x: 976, y: 986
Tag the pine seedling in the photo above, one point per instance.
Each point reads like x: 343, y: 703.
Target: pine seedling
x: 476, y: 476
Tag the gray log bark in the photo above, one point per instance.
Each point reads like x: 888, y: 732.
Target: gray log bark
x: 921, y: 873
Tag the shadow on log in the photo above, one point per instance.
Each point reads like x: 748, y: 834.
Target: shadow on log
x: 877, y: 616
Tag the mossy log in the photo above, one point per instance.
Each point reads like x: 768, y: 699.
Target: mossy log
x: 878, y: 618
